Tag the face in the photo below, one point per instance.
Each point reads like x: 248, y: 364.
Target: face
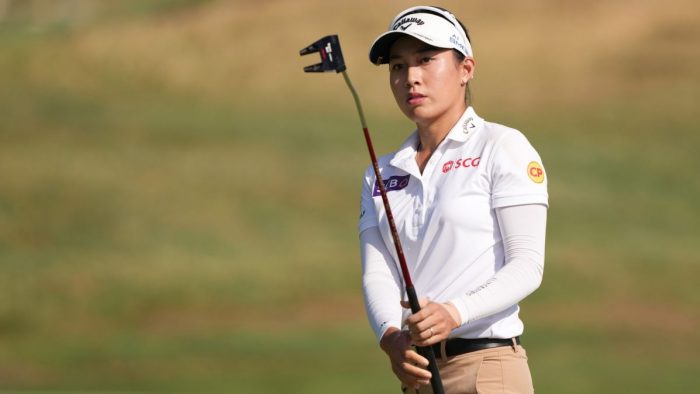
x: 427, y: 81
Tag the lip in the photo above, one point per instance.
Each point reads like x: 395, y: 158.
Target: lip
x: 415, y: 98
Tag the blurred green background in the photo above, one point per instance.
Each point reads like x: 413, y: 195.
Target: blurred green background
x: 178, y: 200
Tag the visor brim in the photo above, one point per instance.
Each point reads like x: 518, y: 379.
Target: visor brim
x: 379, y: 52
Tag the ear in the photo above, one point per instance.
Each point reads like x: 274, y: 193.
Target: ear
x: 467, y: 69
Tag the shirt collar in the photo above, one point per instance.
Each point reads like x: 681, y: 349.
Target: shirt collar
x: 467, y: 125
x: 407, y: 152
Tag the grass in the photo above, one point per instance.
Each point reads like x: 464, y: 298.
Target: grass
x: 177, y: 213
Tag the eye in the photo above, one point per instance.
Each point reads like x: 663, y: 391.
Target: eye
x: 426, y: 59
x: 396, y: 66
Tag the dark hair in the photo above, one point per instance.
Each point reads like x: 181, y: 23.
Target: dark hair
x: 427, y: 11
x: 466, y: 31
x: 458, y: 55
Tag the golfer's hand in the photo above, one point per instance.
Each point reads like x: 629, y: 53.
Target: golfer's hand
x: 433, y: 323
x: 407, y: 364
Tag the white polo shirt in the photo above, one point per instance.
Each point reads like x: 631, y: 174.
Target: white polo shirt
x: 446, y: 216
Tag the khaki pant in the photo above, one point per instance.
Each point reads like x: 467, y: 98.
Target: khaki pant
x: 501, y: 370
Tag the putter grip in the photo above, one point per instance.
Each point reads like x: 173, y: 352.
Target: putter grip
x: 427, y: 351
x: 435, y: 381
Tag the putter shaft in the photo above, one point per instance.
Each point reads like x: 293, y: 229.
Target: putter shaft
x: 427, y: 351
x: 332, y: 60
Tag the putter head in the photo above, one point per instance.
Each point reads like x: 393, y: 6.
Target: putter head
x: 331, y: 55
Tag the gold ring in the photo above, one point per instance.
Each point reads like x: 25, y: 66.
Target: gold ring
x: 432, y: 333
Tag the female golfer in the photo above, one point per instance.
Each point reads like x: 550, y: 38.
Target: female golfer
x: 470, y: 202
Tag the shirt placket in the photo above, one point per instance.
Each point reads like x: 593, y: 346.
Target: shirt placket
x: 424, y: 201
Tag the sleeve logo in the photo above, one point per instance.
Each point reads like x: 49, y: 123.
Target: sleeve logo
x: 392, y: 184
x: 535, y: 172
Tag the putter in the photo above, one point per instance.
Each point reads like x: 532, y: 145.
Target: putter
x: 332, y: 60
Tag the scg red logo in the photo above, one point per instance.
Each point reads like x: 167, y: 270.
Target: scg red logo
x: 463, y: 163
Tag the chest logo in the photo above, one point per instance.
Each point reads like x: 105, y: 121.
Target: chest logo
x: 392, y: 184
x: 535, y: 172
x: 460, y: 163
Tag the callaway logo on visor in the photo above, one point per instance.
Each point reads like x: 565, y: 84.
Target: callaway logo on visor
x: 410, y: 21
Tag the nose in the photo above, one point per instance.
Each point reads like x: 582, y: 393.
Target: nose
x: 412, y: 76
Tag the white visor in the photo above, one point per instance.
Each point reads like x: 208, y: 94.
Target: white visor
x: 433, y: 26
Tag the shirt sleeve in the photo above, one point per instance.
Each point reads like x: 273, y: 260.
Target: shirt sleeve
x: 381, y: 283
x: 368, y: 213
x: 517, y: 173
x: 523, y: 229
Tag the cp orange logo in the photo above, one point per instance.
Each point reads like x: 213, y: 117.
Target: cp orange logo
x: 535, y: 172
